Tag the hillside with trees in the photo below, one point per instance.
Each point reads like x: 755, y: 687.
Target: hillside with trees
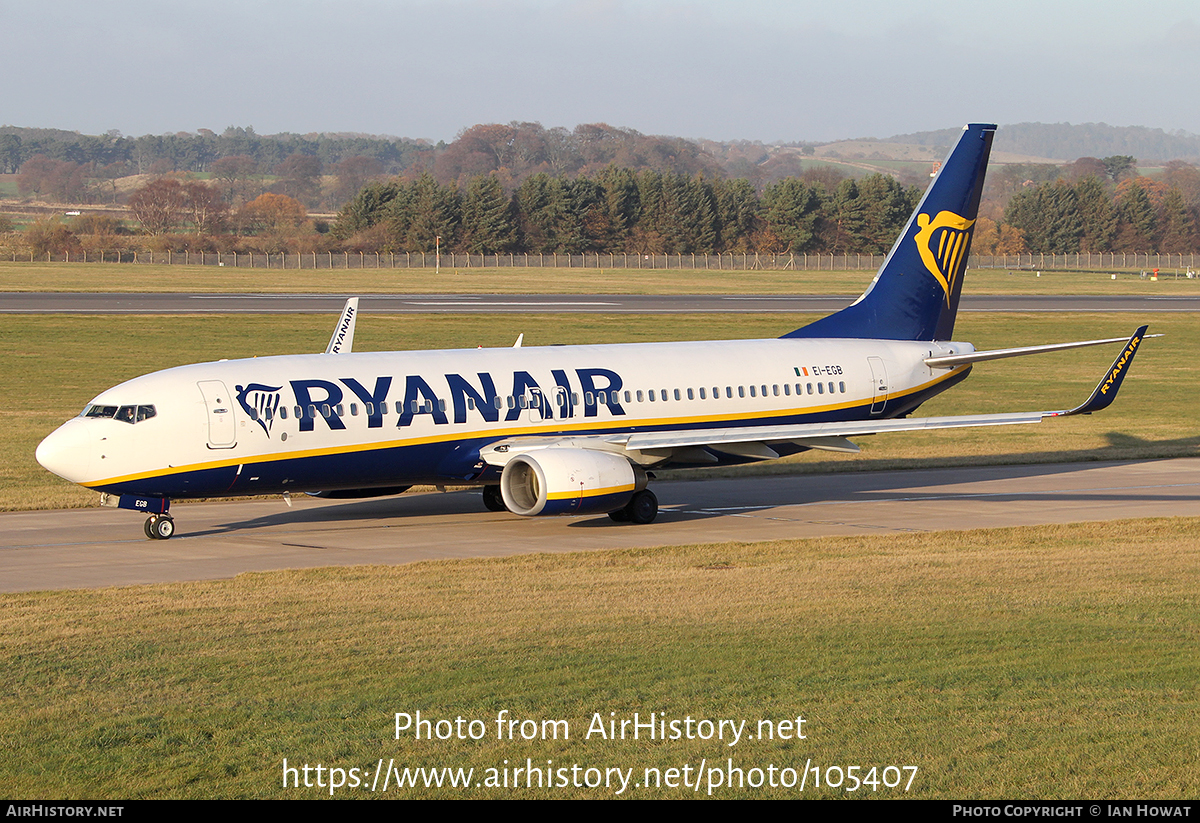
x: 1064, y: 141
x: 521, y: 187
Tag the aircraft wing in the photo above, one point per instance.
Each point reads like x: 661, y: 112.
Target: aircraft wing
x: 754, y: 442
x: 747, y: 441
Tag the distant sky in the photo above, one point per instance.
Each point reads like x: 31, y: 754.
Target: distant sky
x: 771, y: 70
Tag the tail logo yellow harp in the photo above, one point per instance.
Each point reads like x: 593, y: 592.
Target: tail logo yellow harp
x: 942, y: 243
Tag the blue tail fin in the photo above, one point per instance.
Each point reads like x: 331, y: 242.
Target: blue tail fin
x: 915, y: 294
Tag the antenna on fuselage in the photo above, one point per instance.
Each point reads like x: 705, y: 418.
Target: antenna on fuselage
x: 520, y: 337
x: 342, y: 340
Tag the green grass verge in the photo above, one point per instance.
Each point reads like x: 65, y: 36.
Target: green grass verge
x: 55, y: 364
x: 113, y: 277
x: 1041, y: 662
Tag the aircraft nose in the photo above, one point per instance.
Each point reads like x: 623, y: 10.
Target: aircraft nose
x: 66, y: 451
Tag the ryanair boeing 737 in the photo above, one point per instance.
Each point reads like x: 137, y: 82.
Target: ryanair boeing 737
x: 563, y: 429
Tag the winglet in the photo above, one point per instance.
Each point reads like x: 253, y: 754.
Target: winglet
x: 342, y: 340
x: 1110, y: 384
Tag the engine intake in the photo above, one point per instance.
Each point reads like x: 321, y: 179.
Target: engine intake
x: 569, y: 481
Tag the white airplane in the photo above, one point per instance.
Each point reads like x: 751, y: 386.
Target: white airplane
x: 560, y: 429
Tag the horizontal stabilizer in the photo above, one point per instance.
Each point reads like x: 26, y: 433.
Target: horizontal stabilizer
x: 950, y: 360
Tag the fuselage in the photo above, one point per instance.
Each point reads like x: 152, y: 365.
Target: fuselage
x: 363, y: 420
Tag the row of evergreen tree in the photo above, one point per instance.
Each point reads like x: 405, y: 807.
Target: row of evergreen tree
x: 1088, y: 215
x: 621, y: 210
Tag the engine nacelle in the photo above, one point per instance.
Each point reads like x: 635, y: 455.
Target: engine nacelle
x: 569, y: 481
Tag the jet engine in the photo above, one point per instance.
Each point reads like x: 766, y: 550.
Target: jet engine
x: 569, y: 481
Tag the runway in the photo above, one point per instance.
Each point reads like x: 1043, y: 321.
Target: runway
x: 105, y: 547
x: 114, y: 303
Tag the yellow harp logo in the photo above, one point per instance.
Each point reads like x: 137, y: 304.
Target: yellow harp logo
x: 942, y: 243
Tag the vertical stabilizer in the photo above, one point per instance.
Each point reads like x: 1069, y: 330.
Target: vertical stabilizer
x: 915, y: 294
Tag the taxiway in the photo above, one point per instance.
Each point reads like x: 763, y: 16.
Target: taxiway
x: 89, y: 548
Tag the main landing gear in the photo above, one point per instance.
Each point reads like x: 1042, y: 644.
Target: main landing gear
x: 159, y: 527
x: 493, y: 500
x: 642, y: 508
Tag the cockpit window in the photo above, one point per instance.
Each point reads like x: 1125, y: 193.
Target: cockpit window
x: 126, y: 414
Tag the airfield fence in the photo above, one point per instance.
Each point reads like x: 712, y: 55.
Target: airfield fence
x: 748, y: 261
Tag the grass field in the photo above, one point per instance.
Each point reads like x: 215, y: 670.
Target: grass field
x: 112, y: 277
x: 58, y: 363
x: 1050, y: 662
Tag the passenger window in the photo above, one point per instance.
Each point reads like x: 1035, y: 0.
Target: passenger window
x: 471, y: 403
x: 787, y: 389
x: 441, y: 405
x: 741, y: 391
x: 691, y: 395
x: 354, y: 410
x: 588, y: 398
x: 297, y: 412
x: 810, y: 388
x: 628, y: 399
x: 339, y: 410
x: 639, y: 396
x: 267, y: 413
x: 498, y: 403
x: 775, y: 389
x: 729, y: 391
x: 325, y: 411
x: 651, y: 393
x: 831, y: 387
x: 283, y: 412
x: 677, y: 395
x: 820, y: 388
x: 842, y: 388
x: 702, y: 397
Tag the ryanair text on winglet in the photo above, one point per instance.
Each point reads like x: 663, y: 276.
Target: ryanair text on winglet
x: 1130, y: 348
